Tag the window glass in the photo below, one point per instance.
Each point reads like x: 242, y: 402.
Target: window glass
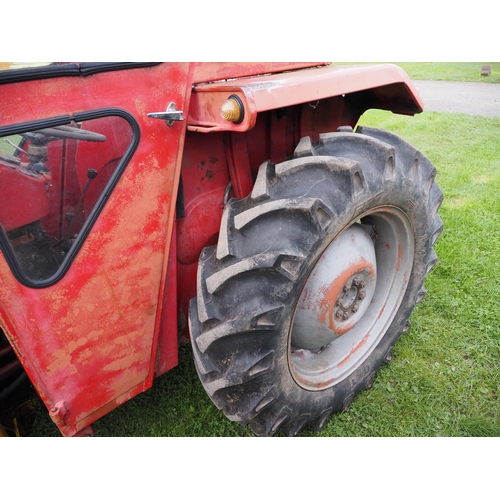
x: 50, y: 181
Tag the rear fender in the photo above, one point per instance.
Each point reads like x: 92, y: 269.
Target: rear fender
x: 383, y: 86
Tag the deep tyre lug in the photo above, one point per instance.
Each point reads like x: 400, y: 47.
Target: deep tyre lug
x: 347, y: 403
x: 389, y: 356
x: 369, y: 382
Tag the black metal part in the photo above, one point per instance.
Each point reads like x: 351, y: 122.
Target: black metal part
x: 179, y: 204
x: 56, y: 70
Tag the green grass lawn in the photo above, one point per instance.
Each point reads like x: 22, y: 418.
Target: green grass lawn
x: 444, y: 379
x: 452, y: 72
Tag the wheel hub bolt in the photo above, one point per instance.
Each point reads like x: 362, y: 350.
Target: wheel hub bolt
x: 347, y: 302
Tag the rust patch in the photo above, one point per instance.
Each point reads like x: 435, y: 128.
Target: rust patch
x: 400, y: 257
x: 323, y: 307
x: 354, y: 350
x: 381, y: 312
x: 306, y: 382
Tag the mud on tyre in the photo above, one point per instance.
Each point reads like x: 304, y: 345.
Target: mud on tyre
x: 314, y: 278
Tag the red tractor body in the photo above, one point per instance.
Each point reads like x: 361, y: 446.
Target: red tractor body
x: 104, y: 210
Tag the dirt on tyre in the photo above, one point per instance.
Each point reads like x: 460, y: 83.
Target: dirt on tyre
x: 313, y: 279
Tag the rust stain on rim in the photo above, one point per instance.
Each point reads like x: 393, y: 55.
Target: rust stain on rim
x: 324, y: 307
x: 355, y: 349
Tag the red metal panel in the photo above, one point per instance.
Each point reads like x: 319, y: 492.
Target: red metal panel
x: 275, y: 91
x: 167, y: 352
x: 214, y: 71
x: 88, y: 342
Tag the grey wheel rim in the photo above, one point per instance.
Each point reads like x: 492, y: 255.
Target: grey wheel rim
x: 351, y: 298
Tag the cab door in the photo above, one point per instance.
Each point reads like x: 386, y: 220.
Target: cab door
x: 88, y: 183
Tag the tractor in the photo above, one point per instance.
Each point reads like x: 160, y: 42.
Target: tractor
x: 233, y: 205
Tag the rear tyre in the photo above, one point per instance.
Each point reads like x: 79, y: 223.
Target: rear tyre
x: 314, y: 278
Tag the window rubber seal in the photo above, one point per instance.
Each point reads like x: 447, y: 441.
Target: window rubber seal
x: 70, y: 69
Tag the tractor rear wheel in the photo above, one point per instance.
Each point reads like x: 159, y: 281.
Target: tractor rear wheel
x: 314, y: 278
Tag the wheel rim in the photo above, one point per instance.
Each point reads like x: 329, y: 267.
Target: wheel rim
x: 351, y: 298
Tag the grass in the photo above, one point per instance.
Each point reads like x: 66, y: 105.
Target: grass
x: 452, y: 72
x: 444, y: 379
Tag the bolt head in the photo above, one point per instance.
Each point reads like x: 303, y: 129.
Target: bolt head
x: 362, y: 284
x: 354, y: 308
x: 361, y: 295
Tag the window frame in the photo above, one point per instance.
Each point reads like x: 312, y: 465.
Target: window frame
x: 5, y: 245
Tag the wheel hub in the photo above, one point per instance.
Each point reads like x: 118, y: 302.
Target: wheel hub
x: 348, y: 301
x: 337, y: 292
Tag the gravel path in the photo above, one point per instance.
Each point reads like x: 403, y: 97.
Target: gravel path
x: 460, y: 97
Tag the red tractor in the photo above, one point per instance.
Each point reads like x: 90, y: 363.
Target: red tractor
x: 232, y: 203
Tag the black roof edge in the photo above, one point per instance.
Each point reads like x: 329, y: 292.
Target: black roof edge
x: 70, y: 69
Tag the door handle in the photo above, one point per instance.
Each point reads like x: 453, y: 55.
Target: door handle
x: 171, y: 115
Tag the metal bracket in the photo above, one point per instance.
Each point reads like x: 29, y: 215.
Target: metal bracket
x: 171, y: 115
x: 58, y: 412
